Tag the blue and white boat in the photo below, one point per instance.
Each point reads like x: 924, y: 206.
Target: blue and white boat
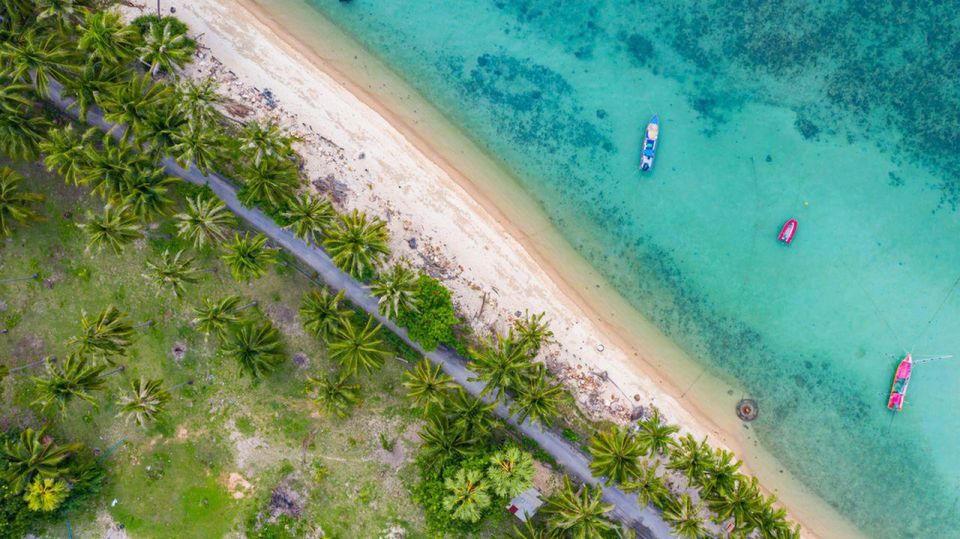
x: 650, y: 144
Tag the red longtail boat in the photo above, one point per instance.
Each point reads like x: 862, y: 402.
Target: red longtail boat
x: 787, y: 231
x: 901, y: 379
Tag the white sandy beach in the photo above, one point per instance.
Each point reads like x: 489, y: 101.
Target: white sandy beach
x: 358, y: 149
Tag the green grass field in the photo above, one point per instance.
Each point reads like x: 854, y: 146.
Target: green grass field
x: 209, y: 468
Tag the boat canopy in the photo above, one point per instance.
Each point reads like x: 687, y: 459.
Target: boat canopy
x: 653, y: 131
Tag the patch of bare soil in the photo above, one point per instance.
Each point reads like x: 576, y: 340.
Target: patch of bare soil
x: 237, y: 486
x: 284, y: 317
x: 286, y: 500
x: 301, y: 360
x: 27, y: 348
x: 179, y: 351
x: 545, y: 479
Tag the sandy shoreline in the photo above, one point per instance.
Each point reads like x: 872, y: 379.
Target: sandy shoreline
x: 372, y: 157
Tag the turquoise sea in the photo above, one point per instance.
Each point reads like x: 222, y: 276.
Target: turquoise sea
x: 843, y: 115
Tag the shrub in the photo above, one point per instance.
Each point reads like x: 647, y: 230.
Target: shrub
x: 434, y: 319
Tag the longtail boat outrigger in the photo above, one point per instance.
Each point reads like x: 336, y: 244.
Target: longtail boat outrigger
x: 898, y: 392
x: 650, y: 144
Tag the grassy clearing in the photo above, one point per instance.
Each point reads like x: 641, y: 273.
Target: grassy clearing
x: 209, y: 467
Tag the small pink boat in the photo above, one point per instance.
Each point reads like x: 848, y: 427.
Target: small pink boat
x: 787, y: 231
x: 898, y: 392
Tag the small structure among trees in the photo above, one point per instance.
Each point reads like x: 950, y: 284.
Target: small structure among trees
x: 525, y: 504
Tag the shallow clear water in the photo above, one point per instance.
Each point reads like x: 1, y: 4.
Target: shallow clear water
x: 841, y: 115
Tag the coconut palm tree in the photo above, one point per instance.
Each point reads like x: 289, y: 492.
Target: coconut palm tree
x: 722, y: 474
x: 578, y: 512
x: 466, y: 495
x: 36, y: 59
x: 14, y: 12
x: 395, y: 290
x: 692, y: 459
x: 272, y: 182
x: 616, y: 455
x: 501, y: 362
x: 114, y: 228
x: 146, y: 189
x: 770, y: 520
x: 529, y: 530
x: 442, y: 442
x: 739, y: 503
x: 64, y: 14
x: 66, y: 150
x: 248, y: 256
x: 196, y: 100
x: 15, y: 97
x: 21, y: 134
x: 428, y: 386
x: 130, y: 102
x: 533, y: 331
x: 158, y: 130
x: 104, y: 38
x: 217, y: 316
x: 145, y: 402
x: 649, y: 486
x: 538, y: 397
x: 321, y: 313
x: 684, y: 518
x: 266, y: 141
x: 310, y: 216
x: 470, y: 414
x: 510, y: 471
x: 30, y: 456
x: 106, y: 335
x: 256, y: 347
x: 356, y: 245
x: 90, y: 80
x: 655, y: 436
x: 106, y: 170
x: 76, y: 378
x: 15, y: 204
x: 334, y: 394
x: 45, y: 494
x: 164, y: 48
x: 358, y: 348
x: 172, y: 271
x: 199, y: 144
x: 205, y: 220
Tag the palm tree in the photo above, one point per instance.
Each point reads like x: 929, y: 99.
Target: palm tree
x: 248, y: 256
x: 533, y: 331
x: 334, y: 394
x: 395, y: 291
x: 146, y: 192
x: 443, y: 442
x: 722, y: 474
x: 684, y: 518
x: 21, y: 134
x: 578, y: 512
x: 739, y: 503
x: 321, y: 313
x: 538, y: 397
x: 206, y: 220
x: 466, y: 495
x: 428, y: 386
x: 30, y: 456
x: 272, y: 182
x: 654, y: 436
x: 65, y: 14
x: 266, y: 141
x: 106, y: 335
x: 107, y: 169
x: 357, y: 245
x: 172, y: 271
x: 165, y: 49
x: 217, y: 317
x: 129, y: 103
x: 256, y: 347
x: 501, y: 362
x: 616, y: 455
x: 159, y: 128
x: 76, y: 378
x: 15, y: 97
x: 532, y: 531
x: 355, y: 349
x: 649, y: 487
x: 15, y: 205
x: 145, y: 402
x: 200, y: 144
x: 66, y: 152
x: 89, y: 81
x: 310, y: 216
x: 106, y: 39
x: 510, y: 471
x: 114, y: 228
x: 36, y: 59
x: 45, y: 494
x: 15, y: 12
x: 470, y: 414
x: 196, y: 100
x: 771, y: 521
x: 692, y: 459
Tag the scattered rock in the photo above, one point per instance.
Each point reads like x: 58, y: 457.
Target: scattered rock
x: 285, y: 501
x: 179, y: 351
x: 301, y: 360
x: 412, y: 242
x: 48, y: 283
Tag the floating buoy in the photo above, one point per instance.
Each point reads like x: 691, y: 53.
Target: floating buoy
x: 747, y: 409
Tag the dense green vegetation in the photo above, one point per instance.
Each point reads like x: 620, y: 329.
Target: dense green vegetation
x: 140, y: 273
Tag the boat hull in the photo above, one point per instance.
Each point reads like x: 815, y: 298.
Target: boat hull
x: 901, y: 379
x: 787, y: 231
x: 649, y: 151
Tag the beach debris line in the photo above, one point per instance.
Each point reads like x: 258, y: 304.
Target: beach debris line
x: 650, y: 143
x: 787, y: 231
x: 747, y: 409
